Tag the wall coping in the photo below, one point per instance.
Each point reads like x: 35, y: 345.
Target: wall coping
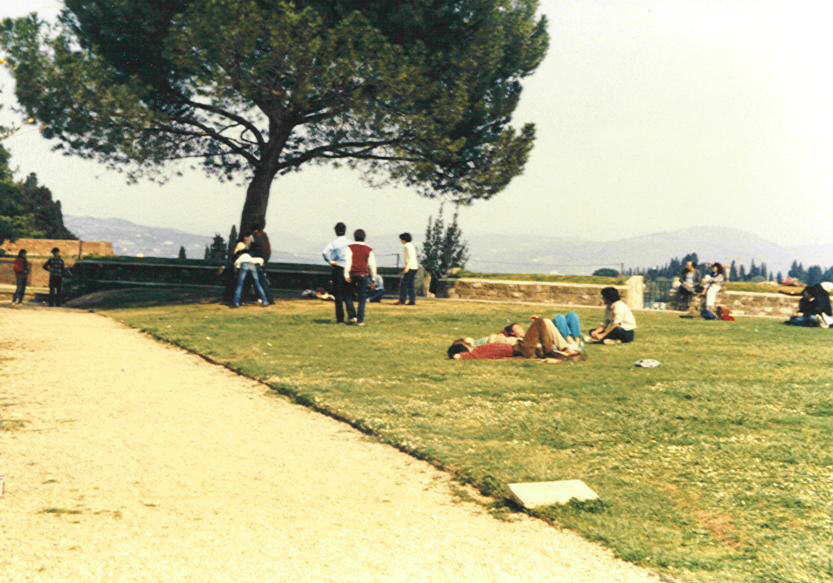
x: 524, y: 282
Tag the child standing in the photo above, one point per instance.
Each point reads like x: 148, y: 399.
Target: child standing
x: 22, y: 268
x: 55, y: 266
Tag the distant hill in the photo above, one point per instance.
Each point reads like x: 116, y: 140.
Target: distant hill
x: 497, y: 253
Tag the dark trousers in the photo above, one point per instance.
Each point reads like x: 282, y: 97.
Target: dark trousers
x: 339, y: 292
x: 56, y: 286
x: 21, y: 279
x: 620, y: 334
x: 407, y: 287
x: 376, y: 296
x: 358, y: 286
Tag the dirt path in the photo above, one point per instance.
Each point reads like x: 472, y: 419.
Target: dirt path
x: 127, y: 460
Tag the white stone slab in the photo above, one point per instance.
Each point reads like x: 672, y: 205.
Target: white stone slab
x: 532, y: 494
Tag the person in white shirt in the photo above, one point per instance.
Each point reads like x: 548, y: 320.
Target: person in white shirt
x: 334, y: 254
x: 407, y: 287
x: 619, y: 324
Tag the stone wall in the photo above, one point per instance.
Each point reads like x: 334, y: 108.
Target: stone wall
x: 68, y: 247
x: 758, y: 304
x: 570, y: 294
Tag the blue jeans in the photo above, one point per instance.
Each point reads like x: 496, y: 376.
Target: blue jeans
x: 358, y: 285
x: 407, y: 288
x: 808, y: 321
x: 247, y: 269
x: 568, y: 326
x: 376, y: 296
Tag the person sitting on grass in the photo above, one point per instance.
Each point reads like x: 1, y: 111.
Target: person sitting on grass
x: 542, y: 340
x: 247, y: 266
x: 619, y: 324
x: 378, y: 288
x: 813, y: 308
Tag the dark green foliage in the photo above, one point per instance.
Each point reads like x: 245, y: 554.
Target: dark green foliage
x: 217, y: 251
x: 27, y: 208
x: 444, y: 248
x: 232, y: 242
x: 606, y: 272
x: 182, y: 254
x: 417, y: 93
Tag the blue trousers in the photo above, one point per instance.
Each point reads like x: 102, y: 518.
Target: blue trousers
x: 358, y: 285
x: 247, y: 269
x: 568, y: 325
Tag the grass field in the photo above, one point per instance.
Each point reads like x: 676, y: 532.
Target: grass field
x: 716, y: 466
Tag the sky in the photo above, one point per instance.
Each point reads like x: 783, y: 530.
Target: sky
x: 651, y: 115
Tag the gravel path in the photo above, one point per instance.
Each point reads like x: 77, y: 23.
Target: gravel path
x: 127, y: 460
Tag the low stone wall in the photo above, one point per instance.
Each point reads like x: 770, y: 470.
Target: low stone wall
x: 570, y: 294
x: 758, y: 304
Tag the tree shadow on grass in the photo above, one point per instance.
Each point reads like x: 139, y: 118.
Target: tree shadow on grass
x: 120, y: 299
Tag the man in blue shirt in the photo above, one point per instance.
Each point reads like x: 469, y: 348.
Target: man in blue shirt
x: 335, y: 254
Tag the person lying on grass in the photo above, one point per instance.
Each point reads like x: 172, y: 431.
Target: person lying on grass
x: 542, y: 340
x: 619, y: 324
x: 510, y: 334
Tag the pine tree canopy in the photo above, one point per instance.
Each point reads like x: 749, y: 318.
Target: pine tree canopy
x: 416, y: 93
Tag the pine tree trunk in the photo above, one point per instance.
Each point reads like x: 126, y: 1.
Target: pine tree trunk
x: 257, y: 199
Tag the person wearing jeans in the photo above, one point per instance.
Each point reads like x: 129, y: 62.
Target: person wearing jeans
x: 407, y: 288
x: 246, y: 266
x: 569, y: 327
x: 378, y: 287
x: 333, y: 254
x: 359, y: 267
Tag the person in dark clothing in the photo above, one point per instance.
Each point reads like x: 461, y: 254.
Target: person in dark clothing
x: 334, y: 254
x: 260, y: 247
x: 55, y: 266
x: 22, y: 268
x: 813, y: 308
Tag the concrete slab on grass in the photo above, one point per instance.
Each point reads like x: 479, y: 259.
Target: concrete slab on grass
x: 533, y: 494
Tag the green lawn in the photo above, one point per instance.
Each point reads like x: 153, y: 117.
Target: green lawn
x: 716, y: 466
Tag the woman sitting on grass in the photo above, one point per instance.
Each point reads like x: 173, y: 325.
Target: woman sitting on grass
x: 619, y: 324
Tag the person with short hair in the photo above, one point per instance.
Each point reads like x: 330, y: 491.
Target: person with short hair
x: 411, y: 265
x: 55, y: 266
x: 509, y: 334
x: 814, y: 308
x: 359, y: 268
x: 619, y: 324
x: 334, y: 254
x: 22, y: 268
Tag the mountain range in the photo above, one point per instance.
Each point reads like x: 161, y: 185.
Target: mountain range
x: 497, y: 253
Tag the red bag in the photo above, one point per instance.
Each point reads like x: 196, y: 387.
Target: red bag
x: 19, y: 265
x: 725, y: 314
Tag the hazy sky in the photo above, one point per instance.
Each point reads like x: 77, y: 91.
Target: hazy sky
x: 651, y: 115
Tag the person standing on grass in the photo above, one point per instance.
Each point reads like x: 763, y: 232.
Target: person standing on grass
x: 21, y: 268
x: 619, y: 324
x: 408, y: 271
x: 260, y: 248
x: 712, y: 284
x: 56, y: 269
x: 334, y: 254
x: 246, y: 265
x: 359, y: 268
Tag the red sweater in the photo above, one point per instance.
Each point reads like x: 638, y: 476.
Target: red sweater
x: 361, y: 253
x: 489, y: 352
